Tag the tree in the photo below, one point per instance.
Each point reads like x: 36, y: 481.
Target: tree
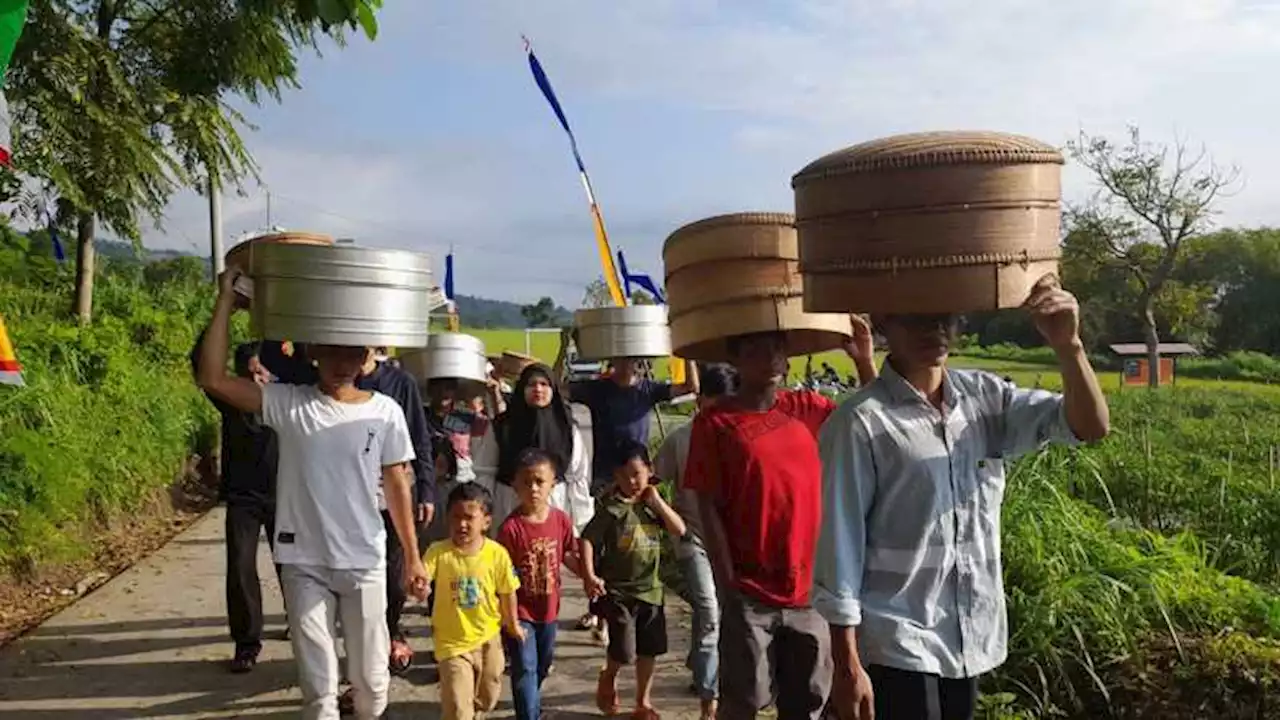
x: 118, y: 103
x: 597, y: 295
x: 641, y: 297
x: 540, y: 314
x: 1151, y: 199
x: 1246, y: 267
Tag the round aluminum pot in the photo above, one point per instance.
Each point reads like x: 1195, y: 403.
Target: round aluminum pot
x: 448, y: 356
x: 636, y: 331
x: 341, y: 295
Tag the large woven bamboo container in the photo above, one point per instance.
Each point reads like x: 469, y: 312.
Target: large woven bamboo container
x: 511, y: 364
x: 942, y: 222
x: 740, y: 274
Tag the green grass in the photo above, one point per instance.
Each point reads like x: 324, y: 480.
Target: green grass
x: 545, y: 346
x: 109, y: 414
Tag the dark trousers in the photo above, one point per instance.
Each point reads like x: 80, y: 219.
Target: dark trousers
x: 396, y: 595
x: 245, y: 522
x: 772, y: 655
x: 530, y: 663
x: 908, y: 695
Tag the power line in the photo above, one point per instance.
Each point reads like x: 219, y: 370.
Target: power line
x: 398, y: 229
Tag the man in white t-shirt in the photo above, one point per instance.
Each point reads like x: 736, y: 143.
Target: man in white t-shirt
x: 343, y: 452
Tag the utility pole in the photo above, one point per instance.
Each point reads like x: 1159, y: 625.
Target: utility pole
x: 218, y: 262
x: 268, y: 210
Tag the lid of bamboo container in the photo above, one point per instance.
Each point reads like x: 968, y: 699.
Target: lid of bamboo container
x: 929, y: 222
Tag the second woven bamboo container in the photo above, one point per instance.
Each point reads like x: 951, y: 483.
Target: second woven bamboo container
x: 942, y: 222
x: 740, y: 274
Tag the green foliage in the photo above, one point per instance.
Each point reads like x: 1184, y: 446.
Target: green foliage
x: 1140, y: 572
x: 1251, y: 366
x: 116, y: 104
x: 109, y: 414
x: 332, y: 14
x: 540, y: 314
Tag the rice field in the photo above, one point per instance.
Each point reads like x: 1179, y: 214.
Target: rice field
x: 545, y: 345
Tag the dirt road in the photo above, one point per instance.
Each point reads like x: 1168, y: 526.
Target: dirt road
x: 153, y: 643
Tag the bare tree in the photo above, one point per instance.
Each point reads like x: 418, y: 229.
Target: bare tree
x: 597, y: 295
x: 1150, y: 197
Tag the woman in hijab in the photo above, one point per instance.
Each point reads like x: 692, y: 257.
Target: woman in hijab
x: 537, y: 417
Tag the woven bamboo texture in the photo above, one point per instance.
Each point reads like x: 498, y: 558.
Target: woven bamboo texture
x: 241, y: 255
x: 736, y: 275
x: 929, y: 222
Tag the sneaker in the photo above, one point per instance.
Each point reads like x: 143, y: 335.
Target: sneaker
x: 244, y: 660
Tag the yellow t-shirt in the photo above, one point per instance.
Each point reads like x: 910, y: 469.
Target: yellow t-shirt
x: 467, y: 613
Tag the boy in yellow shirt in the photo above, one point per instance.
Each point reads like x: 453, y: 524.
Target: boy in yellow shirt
x: 477, y: 587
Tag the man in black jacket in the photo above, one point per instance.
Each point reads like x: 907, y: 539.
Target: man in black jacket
x: 247, y: 486
x: 290, y: 364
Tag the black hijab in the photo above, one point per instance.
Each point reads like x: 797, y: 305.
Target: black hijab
x: 523, y: 426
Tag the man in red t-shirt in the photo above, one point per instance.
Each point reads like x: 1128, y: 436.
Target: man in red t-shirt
x: 753, y: 460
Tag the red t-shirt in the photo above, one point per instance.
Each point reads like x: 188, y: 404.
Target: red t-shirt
x: 762, y: 471
x: 537, y: 551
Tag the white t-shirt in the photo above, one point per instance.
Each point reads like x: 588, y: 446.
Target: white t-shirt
x: 329, y: 477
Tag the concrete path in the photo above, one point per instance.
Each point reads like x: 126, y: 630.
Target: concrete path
x: 153, y: 643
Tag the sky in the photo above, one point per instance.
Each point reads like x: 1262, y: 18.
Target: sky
x: 434, y: 135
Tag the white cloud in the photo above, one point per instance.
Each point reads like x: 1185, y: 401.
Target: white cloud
x: 836, y: 72
x: 784, y: 82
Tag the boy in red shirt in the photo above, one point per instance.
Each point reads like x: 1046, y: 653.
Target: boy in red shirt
x: 539, y: 539
x: 753, y: 461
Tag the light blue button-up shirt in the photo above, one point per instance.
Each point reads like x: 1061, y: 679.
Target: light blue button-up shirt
x: 910, y: 545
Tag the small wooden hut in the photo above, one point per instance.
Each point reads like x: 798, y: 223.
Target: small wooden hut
x: 1136, y: 370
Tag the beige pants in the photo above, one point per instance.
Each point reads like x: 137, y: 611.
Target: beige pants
x: 470, y: 683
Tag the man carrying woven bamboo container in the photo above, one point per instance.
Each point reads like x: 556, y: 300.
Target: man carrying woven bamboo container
x: 753, y: 463
x: 341, y: 450
x: 907, y: 569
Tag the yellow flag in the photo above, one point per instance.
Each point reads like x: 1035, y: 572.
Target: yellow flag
x: 676, y: 366
x: 10, y: 370
x: 606, y: 258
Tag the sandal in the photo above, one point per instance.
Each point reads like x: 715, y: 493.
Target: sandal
x: 645, y: 713
x: 401, y: 657
x: 607, y: 696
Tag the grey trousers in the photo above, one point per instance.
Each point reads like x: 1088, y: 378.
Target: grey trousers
x: 770, y: 653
